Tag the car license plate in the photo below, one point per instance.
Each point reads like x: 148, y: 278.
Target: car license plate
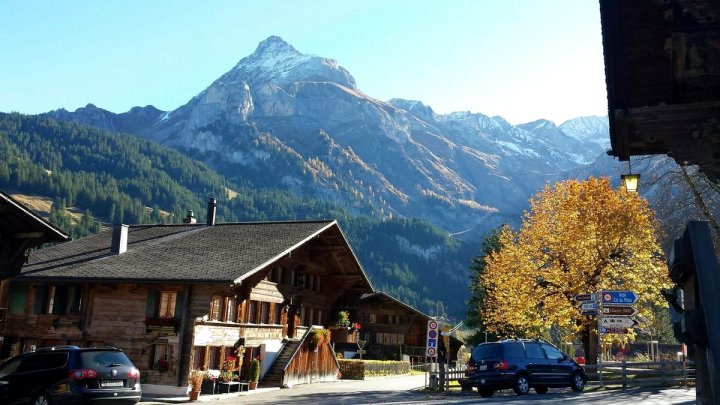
x: 112, y: 383
x: 482, y: 367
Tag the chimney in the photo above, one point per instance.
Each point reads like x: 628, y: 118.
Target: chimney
x: 212, y: 204
x: 190, y: 218
x: 119, y: 239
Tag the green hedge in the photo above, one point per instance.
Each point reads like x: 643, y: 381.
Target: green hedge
x: 360, y: 369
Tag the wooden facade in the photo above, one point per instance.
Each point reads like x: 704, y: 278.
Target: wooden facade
x: 169, y: 328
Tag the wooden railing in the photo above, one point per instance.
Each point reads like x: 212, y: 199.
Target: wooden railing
x: 617, y: 374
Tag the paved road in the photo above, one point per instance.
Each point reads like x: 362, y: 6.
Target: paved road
x: 408, y: 390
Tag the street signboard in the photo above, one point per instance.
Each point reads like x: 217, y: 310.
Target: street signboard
x: 620, y: 310
x: 618, y: 297
x: 590, y: 312
x: 617, y: 322
x: 433, y: 333
x: 619, y: 331
x: 585, y: 297
x: 588, y: 306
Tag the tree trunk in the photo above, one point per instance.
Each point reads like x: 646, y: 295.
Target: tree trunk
x: 589, y: 341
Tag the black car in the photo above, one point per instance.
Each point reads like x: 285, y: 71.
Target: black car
x: 70, y: 375
x: 521, y: 365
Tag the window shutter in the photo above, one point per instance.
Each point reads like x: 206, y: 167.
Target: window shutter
x: 179, y: 304
x: 151, y: 303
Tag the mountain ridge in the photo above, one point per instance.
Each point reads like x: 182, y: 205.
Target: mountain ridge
x: 281, y: 118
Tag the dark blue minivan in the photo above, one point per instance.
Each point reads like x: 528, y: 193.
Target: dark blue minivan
x: 521, y: 364
x: 70, y: 375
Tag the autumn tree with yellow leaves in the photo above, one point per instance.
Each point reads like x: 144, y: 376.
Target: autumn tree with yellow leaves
x: 578, y: 237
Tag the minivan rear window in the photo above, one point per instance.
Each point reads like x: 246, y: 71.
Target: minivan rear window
x: 487, y: 351
x: 103, y: 358
x: 514, y: 349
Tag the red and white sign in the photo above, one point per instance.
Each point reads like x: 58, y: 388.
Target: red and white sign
x: 433, y: 336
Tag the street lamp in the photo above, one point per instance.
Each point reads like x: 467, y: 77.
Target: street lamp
x: 630, y: 181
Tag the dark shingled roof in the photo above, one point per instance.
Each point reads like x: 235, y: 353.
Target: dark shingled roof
x: 185, y: 253
x: 16, y: 218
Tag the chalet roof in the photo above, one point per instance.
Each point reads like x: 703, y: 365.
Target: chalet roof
x: 222, y: 253
x: 385, y: 297
x: 22, y: 223
x: 662, y: 67
x: 20, y: 230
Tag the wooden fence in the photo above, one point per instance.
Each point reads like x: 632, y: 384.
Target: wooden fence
x: 641, y: 374
x: 616, y: 374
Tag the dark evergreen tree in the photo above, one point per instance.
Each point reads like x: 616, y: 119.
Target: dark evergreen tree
x: 473, y: 316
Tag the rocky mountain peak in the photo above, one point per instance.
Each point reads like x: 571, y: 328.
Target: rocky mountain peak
x: 274, y: 46
x: 274, y: 60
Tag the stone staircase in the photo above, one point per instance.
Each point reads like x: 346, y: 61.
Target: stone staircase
x: 274, y: 376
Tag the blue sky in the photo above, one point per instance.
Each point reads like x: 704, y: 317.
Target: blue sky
x: 521, y: 59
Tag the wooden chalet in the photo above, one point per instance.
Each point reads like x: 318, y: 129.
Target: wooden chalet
x: 392, y: 329
x: 178, y: 298
x: 20, y: 231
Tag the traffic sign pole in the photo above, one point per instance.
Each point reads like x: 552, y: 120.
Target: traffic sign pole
x: 599, y: 348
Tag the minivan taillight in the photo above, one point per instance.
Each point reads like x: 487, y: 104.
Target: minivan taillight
x: 134, y: 373
x: 81, y: 374
x: 501, y: 365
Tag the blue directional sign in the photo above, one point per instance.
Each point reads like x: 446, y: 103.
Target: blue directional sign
x: 618, y: 297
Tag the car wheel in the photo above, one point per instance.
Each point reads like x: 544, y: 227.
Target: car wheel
x: 485, y: 393
x: 577, y: 382
x: 541, y: 389
x: 465, y: 387
x: 521, y: 385
x: 41, y: 399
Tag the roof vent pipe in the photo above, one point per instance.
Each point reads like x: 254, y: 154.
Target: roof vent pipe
x: 211, y: 206
x: 119, y: 239
x: 190, y: 218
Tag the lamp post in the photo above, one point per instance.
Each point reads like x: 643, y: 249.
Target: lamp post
x: 630, y: 181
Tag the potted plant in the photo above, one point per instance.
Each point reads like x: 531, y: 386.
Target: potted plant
x: 196, y: 380
x: 254, y: 374
x: 208, y: 384
x: 163, y: 365
x: 318, y: 337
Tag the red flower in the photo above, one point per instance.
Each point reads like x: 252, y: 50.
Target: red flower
x: 357, y: 326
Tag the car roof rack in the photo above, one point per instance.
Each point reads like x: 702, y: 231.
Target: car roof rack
x: 101, y: 347
x: 53, y: 348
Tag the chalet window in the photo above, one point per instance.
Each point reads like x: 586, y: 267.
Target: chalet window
x: 389, y: 338
x: 199, y: 358
x: 278, y: 314
x: 215, y: 308
x: 58, y: 300
x: 230, y: 308
x: 160, y: 352
x: 18, y: 296
x: 214, y: 358
x: 302, y: 316
x: 319, y: 317
x: 264, y: 313
x: 252, y: 311
x: 167, y: 304
x: 318, y: 283
x: 373, y: 318
x: 164, y: 304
